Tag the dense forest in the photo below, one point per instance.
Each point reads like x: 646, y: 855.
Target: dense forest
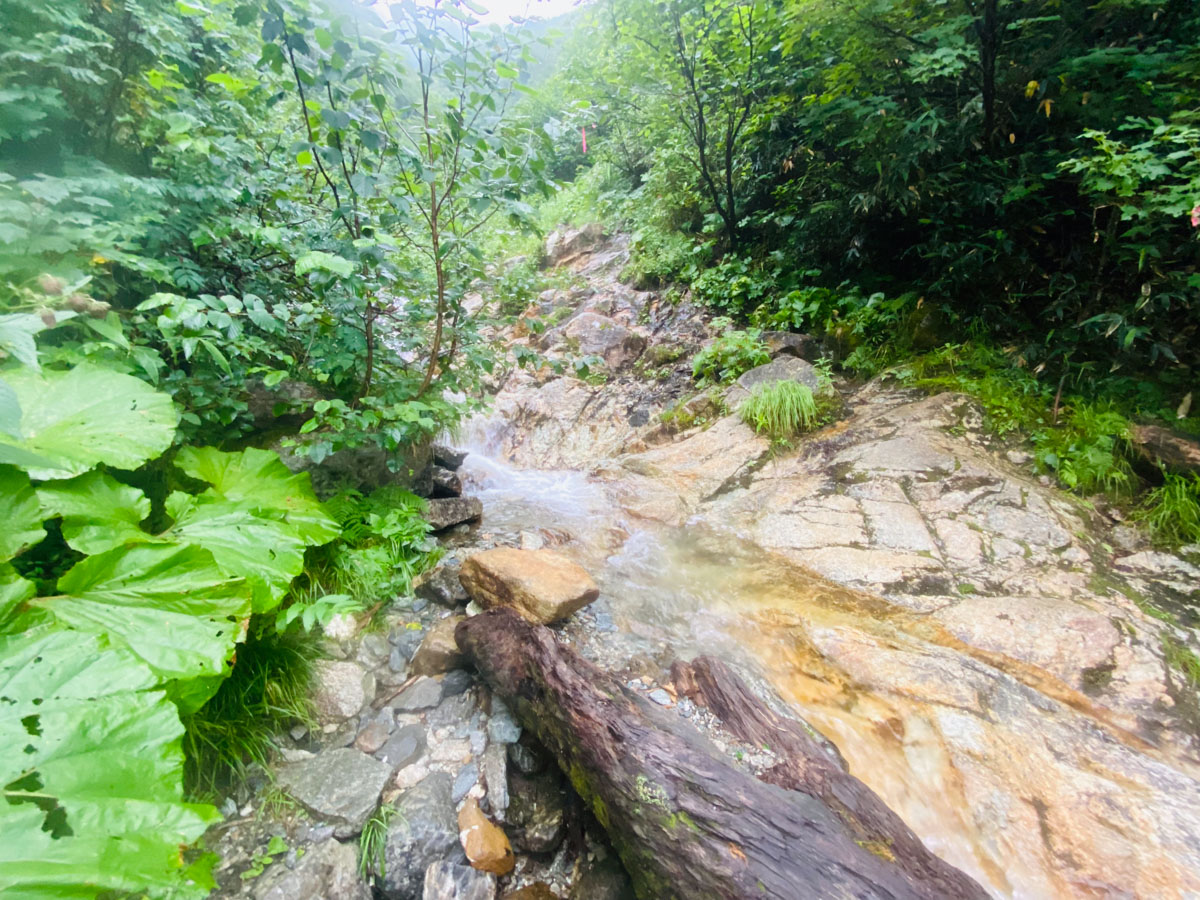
x: 209, y: 208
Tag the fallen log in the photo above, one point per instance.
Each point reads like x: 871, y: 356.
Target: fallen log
x: 686, y: 822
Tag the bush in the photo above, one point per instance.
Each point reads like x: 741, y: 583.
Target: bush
x: 730, y: 355
x: 781, y: 410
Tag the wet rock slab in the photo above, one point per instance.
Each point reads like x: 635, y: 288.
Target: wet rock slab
x: 447, y: 881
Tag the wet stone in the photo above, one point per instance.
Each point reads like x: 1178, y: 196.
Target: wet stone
x: 485, y: 844
x: 527, y: 756
x: 446, y: 881
x: 467, y: 778
x: 495, y: 778
x: 451, y: 712
x: 421, y: 694
x: 502, y: 727
x: 340, y: 689
x: 438, y: 652
x: 425, y: 833
x: 661, y: 697
x: 403, y: 748
x: 446, y: 512
x: 372, y: 737
x: 341, y: 786
x: 536, y: 811
x: 456, y: 682
x: 328, y: 870
x: 442, y: 586
x: 603, y: 880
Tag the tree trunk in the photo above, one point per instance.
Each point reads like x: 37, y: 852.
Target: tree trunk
x: 687, y: 823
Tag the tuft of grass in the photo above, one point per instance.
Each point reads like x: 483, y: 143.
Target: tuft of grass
x: 781, y: 410
x: 265, y: 693
x: 372, y: 842
x: 1171, y: 512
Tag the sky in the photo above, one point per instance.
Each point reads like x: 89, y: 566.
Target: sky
x: 501, y: 11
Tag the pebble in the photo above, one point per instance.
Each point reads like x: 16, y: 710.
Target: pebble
x: 298, y: 733
x: 397, y: 661
x: 467, y: 778
x: 661, y: 697
x: 411, y: 775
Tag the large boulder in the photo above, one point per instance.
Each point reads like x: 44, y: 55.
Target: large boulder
x: 340, y: 786
x: 782, y: 368
x: 789, y: 343
x: 328, y: 870
x: 543, y: 586
x: 593, y: 334
x: 564, y: 244
x: 363, y: 468
x: 425, y: 832
x: 446, y: 512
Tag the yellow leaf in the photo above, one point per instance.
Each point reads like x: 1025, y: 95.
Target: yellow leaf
x: 1031, y: 89
x: 98, y: 260
x: 1046, y: 104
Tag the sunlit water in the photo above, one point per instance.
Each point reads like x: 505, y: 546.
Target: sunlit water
x: 677, y: 592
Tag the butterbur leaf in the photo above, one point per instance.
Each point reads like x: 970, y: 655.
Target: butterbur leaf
x: 73, y: 421
x: 10, y: 411
x: 171, y: 606
x: 98, y: 512
x: 269, y: 553
x: 14, y: 590
x: 258, y: 479
x: 20, y: 513
x: 92, y: 773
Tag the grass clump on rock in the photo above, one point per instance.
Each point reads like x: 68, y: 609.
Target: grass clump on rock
x: 781, y: 410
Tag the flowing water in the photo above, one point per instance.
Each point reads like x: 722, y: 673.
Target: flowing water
x: 1001, y: 770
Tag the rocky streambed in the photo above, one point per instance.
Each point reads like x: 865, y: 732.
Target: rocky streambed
x: 985, y: 652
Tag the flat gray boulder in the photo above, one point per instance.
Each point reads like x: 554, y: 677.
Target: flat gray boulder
x: 446, y: 512
x: 783, y: 368
x: 340, y: 786
x: 328, y: 870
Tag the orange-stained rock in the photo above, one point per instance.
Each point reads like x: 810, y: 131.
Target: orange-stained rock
x: 485, y: 844
x: 543, y: 586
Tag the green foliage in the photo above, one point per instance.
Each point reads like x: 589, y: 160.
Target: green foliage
x: 1172, y: 511
x: 372, y: 861
x: 385, y: 545
x: 276, y: 846
x: 731, y: 354
x: 126, y: 628
x: 266, y: 693
x: 781, y: 410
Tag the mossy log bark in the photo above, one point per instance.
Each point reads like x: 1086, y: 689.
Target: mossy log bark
x: 686, y: 822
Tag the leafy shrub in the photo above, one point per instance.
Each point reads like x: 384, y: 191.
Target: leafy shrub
x: 731, y: 354
x: 781, y: 410
x: 1172, y: 511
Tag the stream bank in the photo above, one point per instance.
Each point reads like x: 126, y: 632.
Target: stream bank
x: 981, y: 648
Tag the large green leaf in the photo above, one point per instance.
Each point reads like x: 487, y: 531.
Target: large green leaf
x: 98, y: 512
x: 20, y: 513
x: 244, y: 543
x: 170, y: 605
x: 14, y: 590
x: 92, y: 773
x: 259, y: 479
x: 72, y: 421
